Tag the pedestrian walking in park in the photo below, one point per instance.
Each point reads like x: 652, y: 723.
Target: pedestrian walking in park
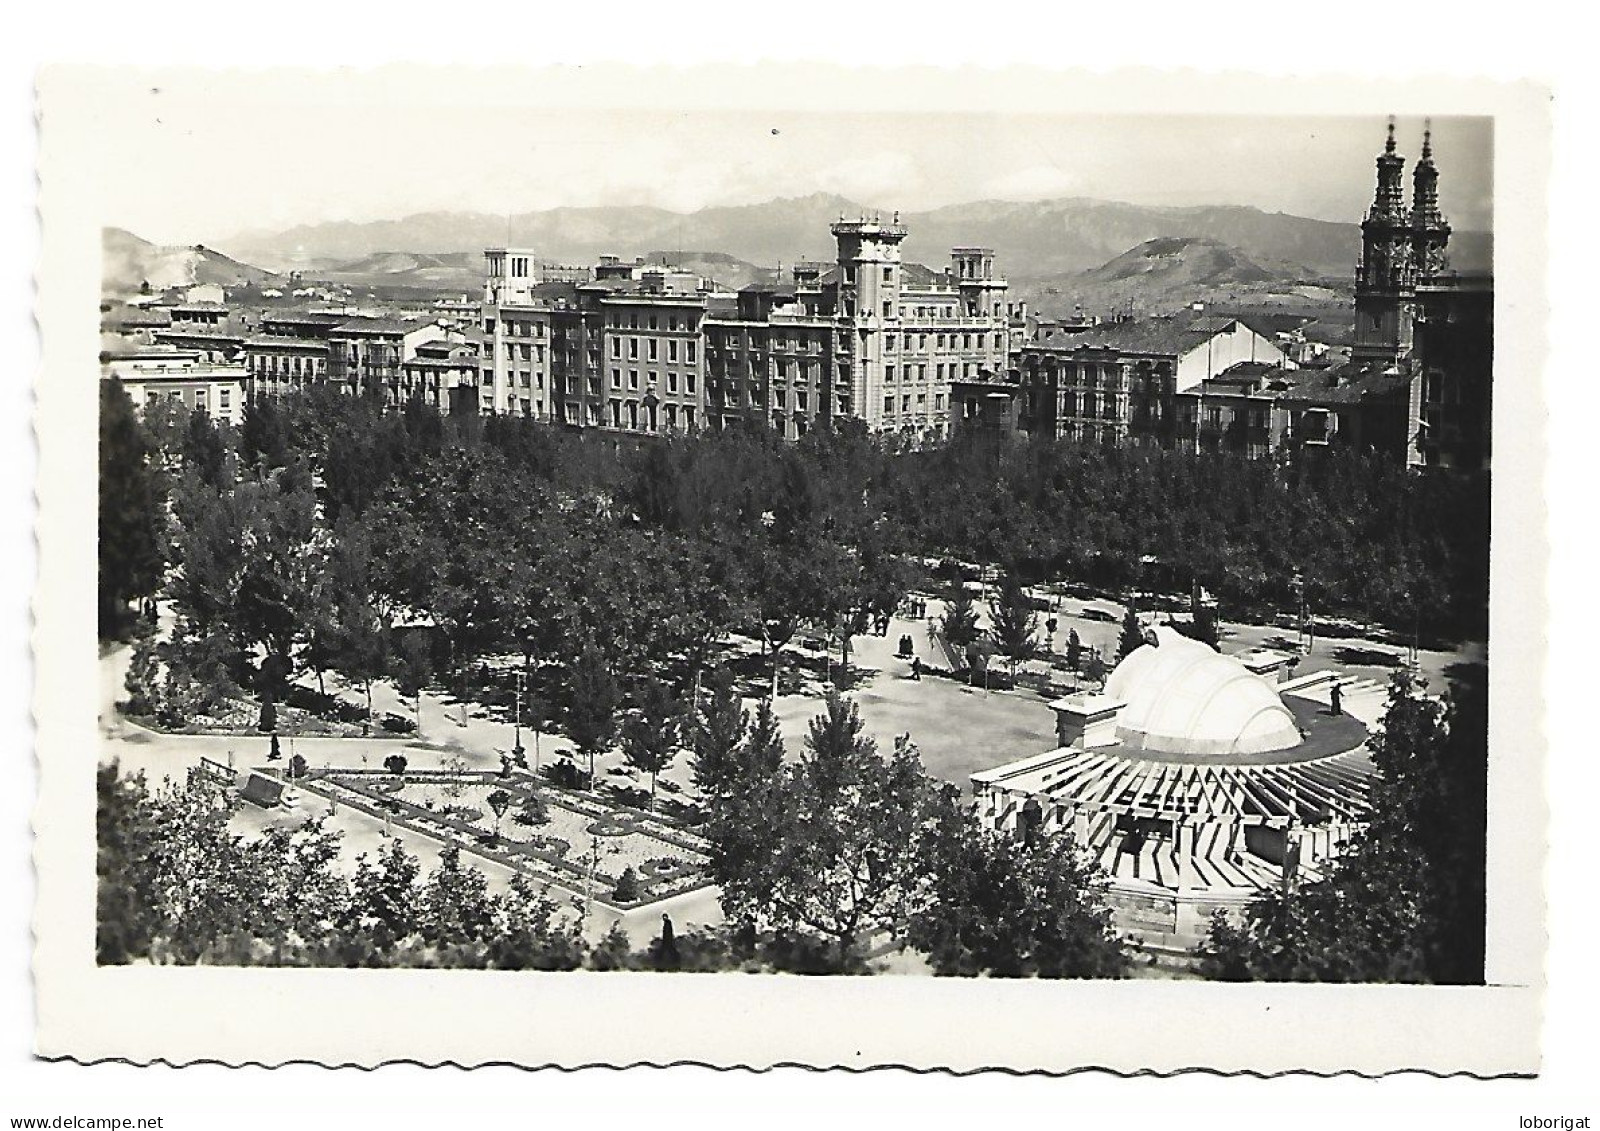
x: 274, y: 753
x: 1336, y: 699
x: 916, y: 667
x: 667, y: 955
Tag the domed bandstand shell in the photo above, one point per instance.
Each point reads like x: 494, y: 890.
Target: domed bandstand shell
x: 1195, y: 780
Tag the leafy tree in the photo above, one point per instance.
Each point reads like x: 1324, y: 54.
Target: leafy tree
x: 960, y: 622
x: 204, y: 451
x: 835, y: 851
x: 1403, y: 902
x: 176, y: 886
x: 592, y: 710
x: 1009, y: 909
x: 126, y: 915
x: 534, y: 811
x: 1132, y: 634
x: 395, y: 764
x: 743, y: 786
x: 652, y: 733
x: 131, y: 514
x: 251, y: 555
x: 189, y: 674
x: 627, y: 889
x: 499, y: 801
x: 143, y: 680
x: 1202, y: 626
x: 1012, y: 623
x: 454, y: 906
x: 455, y: 766
x: 263, y: 444
x: 613, y: 951
x: 716, y: 734
x: 413, y: 668
x: 532, y: 935
x: 348, y: 635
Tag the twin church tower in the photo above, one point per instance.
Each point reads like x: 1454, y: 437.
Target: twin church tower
x: 1401, y: 249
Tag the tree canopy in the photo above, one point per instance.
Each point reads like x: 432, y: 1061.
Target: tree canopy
x: 1405, y: 901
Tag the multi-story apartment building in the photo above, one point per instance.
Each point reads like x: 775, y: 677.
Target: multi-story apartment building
x: 645, y: 348
x: 365, y: 355
x: 1239, y: 410
x: 515, y: 363
x: 1453, y: 354
x: 653, y: 351
x: 289, y: 350
x: 576, y: 351
x: 199, y: 314
x: 183, y: 377
x: 279, y: 364
x: 870, y: 337
x: 1119, y: 382
x: 222, y: 344
x: 443, y: 374
x: 775, y: 358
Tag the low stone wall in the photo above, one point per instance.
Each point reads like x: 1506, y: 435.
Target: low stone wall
x: 1166, y: 922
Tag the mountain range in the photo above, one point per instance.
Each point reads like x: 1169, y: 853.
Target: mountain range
x: 1098, y: 255
x: 1031, y: 239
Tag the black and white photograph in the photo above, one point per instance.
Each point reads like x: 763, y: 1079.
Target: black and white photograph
x: 781, y: 585
x: 775, y: 548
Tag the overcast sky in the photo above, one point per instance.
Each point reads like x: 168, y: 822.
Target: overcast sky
x: 214, y: 163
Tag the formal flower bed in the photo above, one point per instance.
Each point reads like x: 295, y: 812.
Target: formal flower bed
x: 583, y: 835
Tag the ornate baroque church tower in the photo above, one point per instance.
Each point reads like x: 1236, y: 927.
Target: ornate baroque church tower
x: 1429, y: 230
x: 1386, y: 279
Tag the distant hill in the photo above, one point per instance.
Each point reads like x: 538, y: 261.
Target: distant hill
x: 1170, y: 272
x: 727, y: 271
x: 443, y: 271
x: 1031, y: 239
x: 130, y: 262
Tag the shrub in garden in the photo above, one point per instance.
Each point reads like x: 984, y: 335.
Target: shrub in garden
x: 395, y: 764
x: 324, y: 706
x: 499, y: 802
x: 398, y: 724
x: 533, y: 811
x: 627, y: 889
x: 143, y: 681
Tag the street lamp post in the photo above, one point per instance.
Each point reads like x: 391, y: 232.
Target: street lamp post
x: 1416, y: 630
x: 1303, y: 634
x: 516, y: 749
x: 588, y: 884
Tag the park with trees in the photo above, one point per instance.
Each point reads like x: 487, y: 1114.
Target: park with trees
x: 328, y: 536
